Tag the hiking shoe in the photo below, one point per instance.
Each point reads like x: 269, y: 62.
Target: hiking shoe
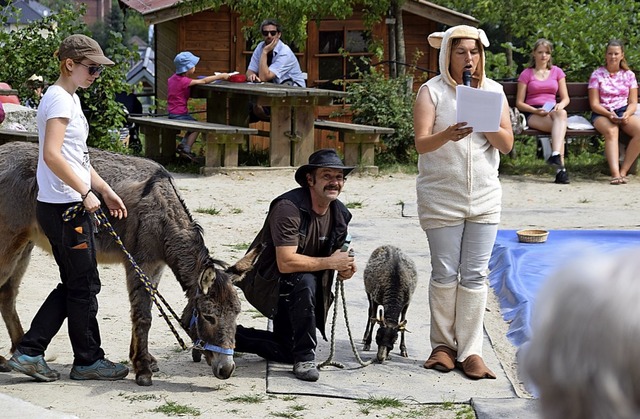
x: 102, y: 369
x: 562, y: 177
x: 555, y: 160
x: 306, y: 371
x: 33, y: 366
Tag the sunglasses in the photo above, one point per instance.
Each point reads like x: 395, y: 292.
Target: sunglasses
x: 272, y: 33
x: 93, y: 69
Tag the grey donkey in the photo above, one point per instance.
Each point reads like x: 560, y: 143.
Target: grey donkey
x: 390, y: 279
x: 159, y: 232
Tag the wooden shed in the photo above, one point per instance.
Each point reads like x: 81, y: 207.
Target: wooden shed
x: 216, y: 36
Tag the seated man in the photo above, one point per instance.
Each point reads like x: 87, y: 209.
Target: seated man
x: 274, y: 62
x: 291, y: 281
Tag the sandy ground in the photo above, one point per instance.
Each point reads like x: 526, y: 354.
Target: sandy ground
x: 231, y: 208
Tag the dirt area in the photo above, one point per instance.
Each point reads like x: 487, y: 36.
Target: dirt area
x: 231, y: 208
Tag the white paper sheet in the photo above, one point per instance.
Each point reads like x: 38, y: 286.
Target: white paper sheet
x: 548, y: 106
x: 480, y: 109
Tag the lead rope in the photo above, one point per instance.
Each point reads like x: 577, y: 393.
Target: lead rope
x: 329, y: 362
x: 103, y: 221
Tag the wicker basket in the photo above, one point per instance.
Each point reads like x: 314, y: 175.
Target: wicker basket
x: 532, y: 236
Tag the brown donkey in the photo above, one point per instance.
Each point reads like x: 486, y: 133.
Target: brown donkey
x: 158, y: 231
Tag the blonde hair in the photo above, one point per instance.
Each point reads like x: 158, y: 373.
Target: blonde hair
x: 541, y: 43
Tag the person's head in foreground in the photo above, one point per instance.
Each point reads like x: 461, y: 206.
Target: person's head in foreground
x: 324, y: 175
x: 583, y: 356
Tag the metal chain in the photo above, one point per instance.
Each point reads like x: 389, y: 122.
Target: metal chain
x: 329, y: 362
x: 102, y: 220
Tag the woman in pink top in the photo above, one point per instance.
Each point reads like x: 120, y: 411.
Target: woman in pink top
x: 538, y: 86
x: 613, y: 96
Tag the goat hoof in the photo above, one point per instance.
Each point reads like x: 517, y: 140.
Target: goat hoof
x: 143, y: 380
x: 366, y: 347
x: 196, y: 355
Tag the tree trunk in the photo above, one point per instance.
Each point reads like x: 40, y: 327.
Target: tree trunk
x: 400, y: 49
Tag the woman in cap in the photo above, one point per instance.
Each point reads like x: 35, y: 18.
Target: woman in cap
x: 459, y: 200
x: 65, y: 178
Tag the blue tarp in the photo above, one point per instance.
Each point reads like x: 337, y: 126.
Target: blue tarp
x: 519, y: 269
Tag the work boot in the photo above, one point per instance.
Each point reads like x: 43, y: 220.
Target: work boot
x: 33, y: 366
x: 306, y: 371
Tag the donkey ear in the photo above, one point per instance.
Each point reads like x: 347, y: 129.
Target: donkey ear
x: 245, y: 264
x: 206, y: 279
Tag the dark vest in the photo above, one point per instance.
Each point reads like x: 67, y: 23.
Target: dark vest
x: 261, y: 284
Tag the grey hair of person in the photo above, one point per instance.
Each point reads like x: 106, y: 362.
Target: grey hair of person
x: 272, y: 22
x: 583, y: 356
x: 545, y: 43
x: 618, y: 43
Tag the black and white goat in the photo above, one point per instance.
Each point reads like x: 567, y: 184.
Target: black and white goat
x: 390, y: 279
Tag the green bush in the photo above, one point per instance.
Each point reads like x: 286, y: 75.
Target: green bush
x: 29, y: 50
x: 387, y: 102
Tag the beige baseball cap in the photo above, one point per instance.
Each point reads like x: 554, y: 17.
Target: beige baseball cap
x: 80, y: 46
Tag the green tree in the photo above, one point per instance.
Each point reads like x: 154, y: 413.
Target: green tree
x: 578, y: 29
x: 293, y: 15
x: 30, y: 49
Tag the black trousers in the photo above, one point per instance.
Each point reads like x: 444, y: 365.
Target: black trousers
x: 294, y: 327
x: 75, y: 297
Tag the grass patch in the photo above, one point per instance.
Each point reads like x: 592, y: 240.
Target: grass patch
x: 290, y: 415
x: 175, y: 409
x: 139, y: 397
x: 247, y: 399
x: 354, y: 204
x: 381, y: 402
x: 236, y: 210
x: 238, y: 246
x: 584, y: 158
x: 210, y: 211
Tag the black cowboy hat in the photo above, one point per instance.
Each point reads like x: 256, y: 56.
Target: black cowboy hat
x: 326, y: 157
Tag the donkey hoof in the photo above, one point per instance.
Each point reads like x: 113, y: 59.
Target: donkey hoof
x: 196, y: 355
x: 143, y: 380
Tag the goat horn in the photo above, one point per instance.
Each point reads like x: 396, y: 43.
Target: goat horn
x: 380, y: 314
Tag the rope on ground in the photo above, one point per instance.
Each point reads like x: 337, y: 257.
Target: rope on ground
x: 340, y: 296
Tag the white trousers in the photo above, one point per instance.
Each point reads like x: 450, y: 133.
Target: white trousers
x: 461, y: 253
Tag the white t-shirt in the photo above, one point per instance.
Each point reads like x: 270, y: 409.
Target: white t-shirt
x: 58, y: 103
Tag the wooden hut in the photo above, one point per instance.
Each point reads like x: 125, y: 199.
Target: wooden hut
x: 216, y: 36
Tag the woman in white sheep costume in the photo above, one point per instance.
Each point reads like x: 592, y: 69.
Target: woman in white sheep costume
x: 459, y: 201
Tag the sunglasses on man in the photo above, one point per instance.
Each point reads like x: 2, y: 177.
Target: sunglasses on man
x: 93, y: 69
x: 272, y: 33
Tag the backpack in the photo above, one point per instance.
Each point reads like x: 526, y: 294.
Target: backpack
x: 518, y: 121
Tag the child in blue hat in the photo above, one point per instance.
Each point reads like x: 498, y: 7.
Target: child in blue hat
x: 178, y: 93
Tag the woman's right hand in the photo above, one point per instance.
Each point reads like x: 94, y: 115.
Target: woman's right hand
x: 541, y: 112
x: 91, y: 202
x: 457, y: 131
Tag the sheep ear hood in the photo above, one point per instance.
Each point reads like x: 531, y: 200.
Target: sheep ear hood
x: 442, y: 41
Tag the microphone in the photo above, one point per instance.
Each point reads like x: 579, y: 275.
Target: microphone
x: 466, y: 78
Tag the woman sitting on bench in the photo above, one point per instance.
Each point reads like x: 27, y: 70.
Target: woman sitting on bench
x: 538, y: 86
x: 613, y: 96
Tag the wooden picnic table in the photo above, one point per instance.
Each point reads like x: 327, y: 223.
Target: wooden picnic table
x: 291, y: 135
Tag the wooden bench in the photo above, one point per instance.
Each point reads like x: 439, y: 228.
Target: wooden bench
x: 579, y: 95
x: 6, y: 136
x: 222, y: 141
x: 359, y: 142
